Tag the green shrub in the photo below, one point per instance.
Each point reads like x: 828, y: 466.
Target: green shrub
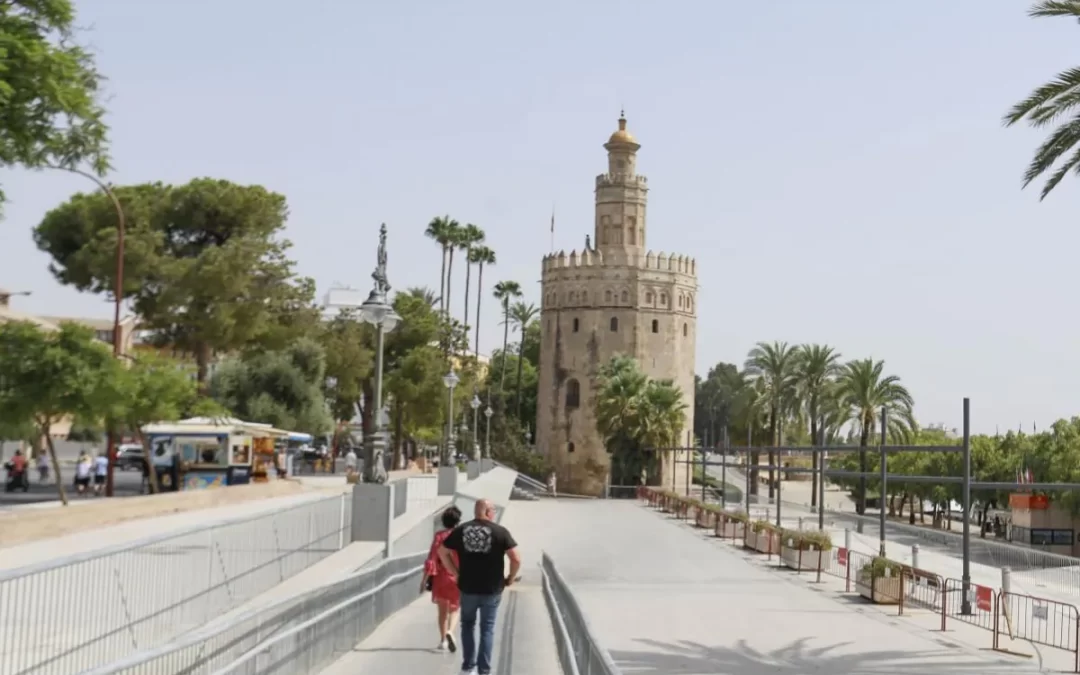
x: 807, y: 540
x: 764, y: 526
x: 739, y: 517
x: 877, y: 567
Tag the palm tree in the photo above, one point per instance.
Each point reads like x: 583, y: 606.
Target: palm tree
x: 522, y: 315
x: 865, y: 391
x: 635, y: 414
x: 470, y: 236
x: 1047, y: 105
x: 505, y: 292
x: 773, y: 365
x: 441, y: 231
x: 480, y: 255
x: 815, y: 368
x: 423, y: 293
x: 455, y: 239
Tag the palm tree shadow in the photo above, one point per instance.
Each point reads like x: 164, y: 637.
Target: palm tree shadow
x: 686, y: 657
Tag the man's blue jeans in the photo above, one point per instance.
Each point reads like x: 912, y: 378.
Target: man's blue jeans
x: 488, y: 607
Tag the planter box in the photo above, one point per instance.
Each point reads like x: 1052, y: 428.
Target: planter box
x: 730, y: 529
x: 886, y: 589
x: 810, y: 560
x: 704, y: 518
x: 761, y: 542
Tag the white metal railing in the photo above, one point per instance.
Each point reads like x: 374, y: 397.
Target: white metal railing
x: 78, y: 612
x: 579, y: 651
x: 296, y: 635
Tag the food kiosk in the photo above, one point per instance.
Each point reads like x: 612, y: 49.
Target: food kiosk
x: 203, y: 453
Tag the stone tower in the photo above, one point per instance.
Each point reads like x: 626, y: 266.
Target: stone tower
x: 613, y: 298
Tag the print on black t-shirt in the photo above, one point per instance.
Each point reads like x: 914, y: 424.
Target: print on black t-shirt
x: 481, y: 546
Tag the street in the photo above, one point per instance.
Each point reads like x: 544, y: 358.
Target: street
x: 125, y: 483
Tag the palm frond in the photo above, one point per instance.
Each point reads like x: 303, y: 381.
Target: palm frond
x: 1045, y: 8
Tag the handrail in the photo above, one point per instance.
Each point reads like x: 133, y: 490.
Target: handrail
x: 54, y: 563
x: 266, y: 644
x: 562, y: 635
x: 606, y: 662
x: 214, y: 629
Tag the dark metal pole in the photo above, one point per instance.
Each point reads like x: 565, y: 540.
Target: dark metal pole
x: 723, y: 470
x: 821, y: 479
x: 965, y: 579
x: 884, y: 482
x: 674, y: 466
x: 779, y: 492
x: 746, y: 467
x: 689, y: 470
x: 704, y: 473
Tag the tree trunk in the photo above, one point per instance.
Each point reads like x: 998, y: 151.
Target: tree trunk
x: 45, y: 428
x: 449, y: 279
x: 521, y: 362
x: 479, y: 297
x: 814, y: 458
x: 506, y: 342
x: 399, y: 423
x: 922, y: 512
x: 468, y: 274
x: 442, y: 283
x: 203, y: 354
x: 911, y: 512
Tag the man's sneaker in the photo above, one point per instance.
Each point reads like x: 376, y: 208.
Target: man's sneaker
x: 442, y: 645
x: 451, y: 643
x: 470, y: 671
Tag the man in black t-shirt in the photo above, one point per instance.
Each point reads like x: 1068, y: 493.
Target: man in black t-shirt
x: 481, y: 546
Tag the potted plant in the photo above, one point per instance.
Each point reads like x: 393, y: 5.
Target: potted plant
x: 880, y: 581
x: 762, y: 537
x: 731, y: 525
x: 803, y: 550
x: 704, y: 514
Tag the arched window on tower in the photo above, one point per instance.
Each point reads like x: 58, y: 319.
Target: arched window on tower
x: 655, y: 326
x: 685, y: 330
x: 575, y: 325
x: 614, y: 324
x: 584, y: 296
x: 573, y: 394
x: 570, y: 446
x: 648, y: 298
x: 663, y: 299
x: 625, y: 296
x: 680, y: 302
x: 607, y: 296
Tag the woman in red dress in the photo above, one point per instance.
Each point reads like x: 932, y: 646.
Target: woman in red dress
x: 444, y: 590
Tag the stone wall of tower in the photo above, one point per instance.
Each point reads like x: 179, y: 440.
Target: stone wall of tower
x: 596, y: 306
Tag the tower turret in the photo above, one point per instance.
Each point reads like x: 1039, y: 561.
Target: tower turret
x: 621, y: 197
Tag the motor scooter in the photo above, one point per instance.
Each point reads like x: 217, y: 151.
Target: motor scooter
x: 16, y: 479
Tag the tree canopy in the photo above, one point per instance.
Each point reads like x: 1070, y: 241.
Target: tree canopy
x: 49, y: 90
x: 204, y: 264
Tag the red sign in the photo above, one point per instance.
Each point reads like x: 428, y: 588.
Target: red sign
x: 984, y: 598
x: 841, y: 556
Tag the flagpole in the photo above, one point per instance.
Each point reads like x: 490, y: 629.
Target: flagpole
x: 553, y: 227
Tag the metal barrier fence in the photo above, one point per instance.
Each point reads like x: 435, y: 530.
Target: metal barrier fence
x: 295, y: 636
x: 78, y: 612
x: 1038, y: 621
x: 1028, y: 565
x: 588, y: 655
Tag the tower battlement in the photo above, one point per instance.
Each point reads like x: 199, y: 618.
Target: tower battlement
x: 661, y: 261
x: 621, y: 179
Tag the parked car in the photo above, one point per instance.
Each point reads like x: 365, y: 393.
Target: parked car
x: 130, y: 456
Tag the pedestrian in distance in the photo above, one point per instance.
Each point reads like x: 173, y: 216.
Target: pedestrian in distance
x: 481, y: 546
x: 83, y: 468
x: 101, y: 471
x: 443, y: 584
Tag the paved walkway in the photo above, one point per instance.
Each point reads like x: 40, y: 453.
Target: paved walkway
x: 524, y: 643
x: 666, y: 599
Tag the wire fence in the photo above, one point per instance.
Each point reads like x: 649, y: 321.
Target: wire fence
x: 589, y: 657
x: 295, y: 636
x: 75, y: 613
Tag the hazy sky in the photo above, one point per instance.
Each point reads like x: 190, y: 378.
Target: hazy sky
x: 838, y: 168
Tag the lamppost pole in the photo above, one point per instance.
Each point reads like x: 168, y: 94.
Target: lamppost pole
x: 118, y: 296
x: 475, y: 405
x: 488, y: 412
x: 450, y: 380
x: 377, y: 311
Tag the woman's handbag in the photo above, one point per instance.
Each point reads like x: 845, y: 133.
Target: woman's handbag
x: 427, y: 586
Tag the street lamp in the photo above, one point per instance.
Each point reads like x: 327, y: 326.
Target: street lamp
x: 488, y: 412
x: 378, y: 312
x: 475, y: 405
x: 450, y: 380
